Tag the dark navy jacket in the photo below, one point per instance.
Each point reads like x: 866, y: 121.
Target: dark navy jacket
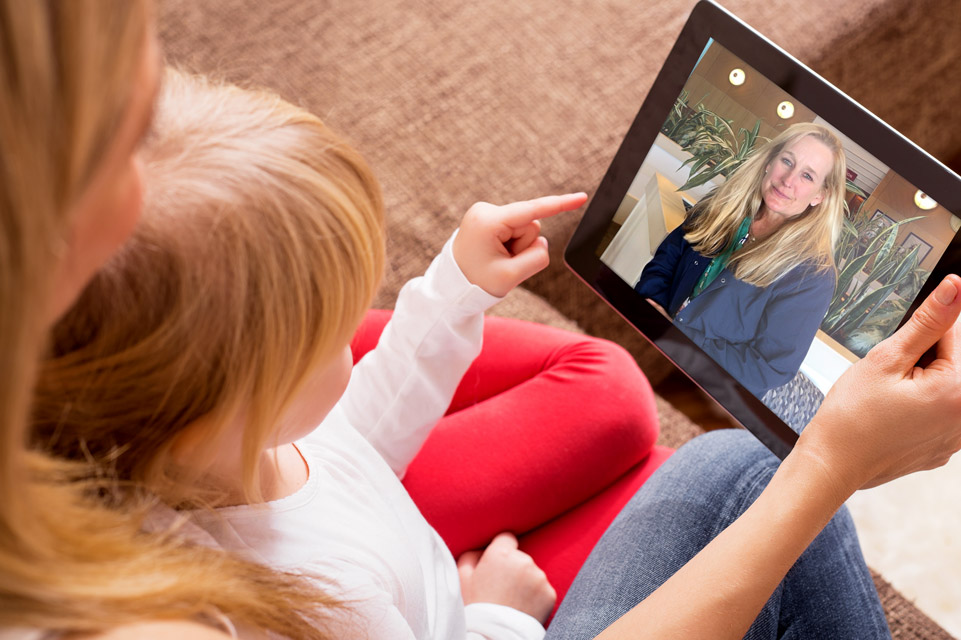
x: 760, y: 335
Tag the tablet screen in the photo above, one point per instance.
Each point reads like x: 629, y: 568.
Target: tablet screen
x: 768, y: 219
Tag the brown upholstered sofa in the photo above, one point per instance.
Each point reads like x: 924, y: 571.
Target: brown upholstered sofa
x: 454, y: 102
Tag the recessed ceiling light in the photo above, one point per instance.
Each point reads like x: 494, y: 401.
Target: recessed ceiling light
x: 924, y: 201
x: 785, y: 109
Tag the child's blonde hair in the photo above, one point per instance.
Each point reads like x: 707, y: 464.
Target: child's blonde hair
x: 260, y: 248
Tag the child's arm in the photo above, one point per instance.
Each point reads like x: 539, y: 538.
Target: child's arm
x: 400, y: 390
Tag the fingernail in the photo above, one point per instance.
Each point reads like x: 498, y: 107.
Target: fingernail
x: 946, y: 292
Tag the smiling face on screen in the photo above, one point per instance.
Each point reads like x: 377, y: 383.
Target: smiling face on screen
x: 794, y: 178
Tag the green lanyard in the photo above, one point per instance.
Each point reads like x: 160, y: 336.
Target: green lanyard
x: 717, y: 264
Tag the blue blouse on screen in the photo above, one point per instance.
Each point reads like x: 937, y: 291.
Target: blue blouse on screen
x: 760, y: 335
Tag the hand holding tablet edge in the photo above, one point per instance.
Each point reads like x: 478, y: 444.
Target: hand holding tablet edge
x: 889, y: 416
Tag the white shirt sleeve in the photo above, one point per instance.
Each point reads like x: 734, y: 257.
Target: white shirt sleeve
x: 399, y: 391
x: 498, y: 622
x: 373, y: 615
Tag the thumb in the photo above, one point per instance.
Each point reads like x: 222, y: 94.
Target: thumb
x: 523, y: 265
x: 465, y: 572
x: 468, y: 560
x: 930, y: 321
x: 505, y: 542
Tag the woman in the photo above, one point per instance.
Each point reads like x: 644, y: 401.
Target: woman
x: 76, y: 89
x: 75, y: 92
x: 750, y: 274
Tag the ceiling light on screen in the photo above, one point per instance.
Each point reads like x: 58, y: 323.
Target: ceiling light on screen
x: 924, y: 201
x: 736, y: 77
x: 785, y: 109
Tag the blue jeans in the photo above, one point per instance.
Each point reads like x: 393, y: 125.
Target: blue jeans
x: 697, y: 493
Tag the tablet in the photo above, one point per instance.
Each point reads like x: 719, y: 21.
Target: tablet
x: 761, y: 228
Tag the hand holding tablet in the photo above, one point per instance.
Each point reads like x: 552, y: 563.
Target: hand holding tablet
x: 887, y: 417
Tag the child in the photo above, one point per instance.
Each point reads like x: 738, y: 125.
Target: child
x: 200, y: 362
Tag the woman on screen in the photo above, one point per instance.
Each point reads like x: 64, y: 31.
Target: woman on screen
x: 750, y: 274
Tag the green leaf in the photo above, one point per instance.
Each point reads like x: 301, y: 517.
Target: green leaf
x: 906, y: 266
x: 885, y: 250
x: 728, y: 165
x: 727, y: 126
x: 864, y: 308
x: 855, y: 189
x: 750, y: 137
x: 848, y: 227
x: 696, y: 181
x: 850, y: 270
x: 699, y: 164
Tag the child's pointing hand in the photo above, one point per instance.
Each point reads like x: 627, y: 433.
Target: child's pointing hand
x: 497, y: 248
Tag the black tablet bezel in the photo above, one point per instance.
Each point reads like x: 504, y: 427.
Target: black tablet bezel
x: 710, y: 21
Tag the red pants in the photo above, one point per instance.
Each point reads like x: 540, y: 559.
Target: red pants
x: 549, y: 434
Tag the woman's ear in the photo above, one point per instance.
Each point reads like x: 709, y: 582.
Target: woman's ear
x: 818, y: 198
x: 101, y: 220
x: 105, y: 214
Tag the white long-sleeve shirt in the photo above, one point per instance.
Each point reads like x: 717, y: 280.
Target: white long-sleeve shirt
x: 353, y: 522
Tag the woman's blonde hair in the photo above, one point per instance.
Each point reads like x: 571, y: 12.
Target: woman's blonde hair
x: 259, y: 249
x: 68, y: 561
x: 63, y: 92
x: 809, y: 237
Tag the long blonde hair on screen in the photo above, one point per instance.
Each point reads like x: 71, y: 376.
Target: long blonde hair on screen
x: 809, y: 237
x: 69, y: 561
x: 259, y: 250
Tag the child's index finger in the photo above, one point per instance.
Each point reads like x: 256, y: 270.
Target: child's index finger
x: 521, y: 213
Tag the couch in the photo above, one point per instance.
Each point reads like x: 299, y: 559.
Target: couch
x: 455, y: 102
